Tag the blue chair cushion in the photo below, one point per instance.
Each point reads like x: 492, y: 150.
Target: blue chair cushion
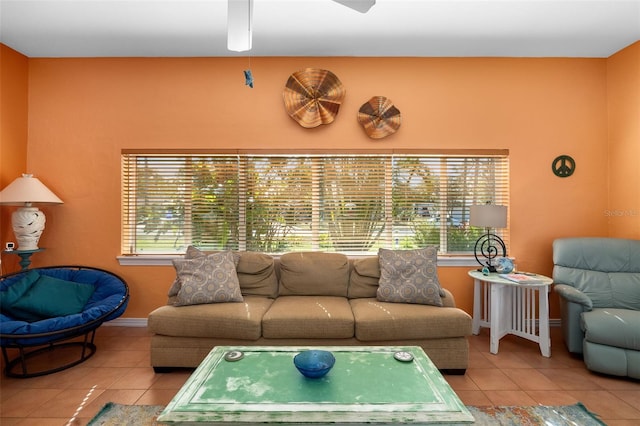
x: 11, y: 294
x: 612, y: 327
x: 47, y: 297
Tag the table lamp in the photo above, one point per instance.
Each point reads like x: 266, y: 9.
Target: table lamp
x: 27, y: 221
x: 488, y: 246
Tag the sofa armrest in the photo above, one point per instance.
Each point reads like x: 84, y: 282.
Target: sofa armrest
x: 572, y: 304
x: 573, y: 295
x: 448, y: 300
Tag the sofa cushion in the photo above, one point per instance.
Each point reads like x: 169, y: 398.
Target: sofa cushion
x: 612, y: 327
x: 207, y: 279
x: 308, y: 318
x: 365, y: 274
x: 604, y: 289
x: 314, y: 274
x: 597, y: 254
x: 377, y: 321
x: 257, y: 274
x: 218, y: 320
x: 409, y: 276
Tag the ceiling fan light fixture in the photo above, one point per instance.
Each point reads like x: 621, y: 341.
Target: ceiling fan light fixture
x: 361, y: 6
x: 239, y: 25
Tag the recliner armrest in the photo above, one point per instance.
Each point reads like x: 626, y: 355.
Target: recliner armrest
x: 572, y: 294
x: 573, y: 303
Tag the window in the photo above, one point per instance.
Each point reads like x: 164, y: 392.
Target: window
x: 275, y: 202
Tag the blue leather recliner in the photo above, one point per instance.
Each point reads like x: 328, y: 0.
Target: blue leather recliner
x: 598, y: 280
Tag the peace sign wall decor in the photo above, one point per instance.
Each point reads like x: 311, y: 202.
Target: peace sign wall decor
x: 563, y: 166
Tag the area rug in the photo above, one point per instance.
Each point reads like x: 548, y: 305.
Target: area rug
x: 565, y: 415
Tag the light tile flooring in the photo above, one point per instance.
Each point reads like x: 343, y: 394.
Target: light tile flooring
x: 120, y: 372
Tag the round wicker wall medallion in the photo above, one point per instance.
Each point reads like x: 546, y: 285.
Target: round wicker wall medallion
x: 379, y: 117
x: 313, y: 96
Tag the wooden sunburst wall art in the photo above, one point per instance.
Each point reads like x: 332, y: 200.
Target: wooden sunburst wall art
x: 313, y: 97
x: 379, y: 117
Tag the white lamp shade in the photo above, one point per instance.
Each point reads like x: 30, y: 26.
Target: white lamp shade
x: 488, y: 216
x: 239, y: 23
x: 26, y: 190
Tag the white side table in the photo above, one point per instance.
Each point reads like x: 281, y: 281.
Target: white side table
x: 507, y: 307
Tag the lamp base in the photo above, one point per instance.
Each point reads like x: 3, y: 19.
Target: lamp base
x: 491, y: 268
x: 28, y: 225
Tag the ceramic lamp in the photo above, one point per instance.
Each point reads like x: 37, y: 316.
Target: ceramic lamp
x: 28, y: 221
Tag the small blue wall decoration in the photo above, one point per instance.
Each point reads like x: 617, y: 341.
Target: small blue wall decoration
x: 248, y: 78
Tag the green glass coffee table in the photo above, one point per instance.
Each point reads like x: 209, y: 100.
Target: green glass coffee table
x: 367, y: 385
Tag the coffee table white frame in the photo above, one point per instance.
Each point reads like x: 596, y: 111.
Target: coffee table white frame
x: 507, y: 307
x: 248, y: 396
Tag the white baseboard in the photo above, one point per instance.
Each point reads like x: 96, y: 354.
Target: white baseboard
x: 127, y: 322
x: 142, y: 322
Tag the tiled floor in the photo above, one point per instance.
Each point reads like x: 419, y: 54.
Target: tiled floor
x: 120, y: 372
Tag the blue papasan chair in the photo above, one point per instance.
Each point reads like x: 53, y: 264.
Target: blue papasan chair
x: 55, y: 307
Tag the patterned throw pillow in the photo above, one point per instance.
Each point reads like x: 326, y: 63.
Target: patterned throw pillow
x: 207, y: 279
x: 409, y: 276
x: 192, y: 253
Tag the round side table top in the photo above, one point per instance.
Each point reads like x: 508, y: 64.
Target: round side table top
x: 536, y: 279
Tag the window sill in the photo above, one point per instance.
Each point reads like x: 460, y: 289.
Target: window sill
x: 166, y: 260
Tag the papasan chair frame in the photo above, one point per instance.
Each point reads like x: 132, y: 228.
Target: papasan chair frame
x: 109, y: 300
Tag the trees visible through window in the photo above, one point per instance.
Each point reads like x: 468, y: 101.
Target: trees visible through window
x: 275, y: 203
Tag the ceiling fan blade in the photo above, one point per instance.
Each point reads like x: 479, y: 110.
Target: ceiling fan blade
x: 239, y: 24
x: 361, y: 6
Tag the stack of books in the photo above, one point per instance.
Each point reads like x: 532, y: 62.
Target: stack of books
x: 522, y: 278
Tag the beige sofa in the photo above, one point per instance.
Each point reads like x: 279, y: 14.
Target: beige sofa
x: 308, y: 299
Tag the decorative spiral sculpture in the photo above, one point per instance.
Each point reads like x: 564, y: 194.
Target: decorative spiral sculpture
x: 488, y: 247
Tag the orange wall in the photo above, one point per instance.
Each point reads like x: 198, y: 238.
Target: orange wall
x: 82, y: 112
x: 13, y: 135
x: 623, y: 87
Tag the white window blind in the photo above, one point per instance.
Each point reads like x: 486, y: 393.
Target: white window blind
x: 295, y: 201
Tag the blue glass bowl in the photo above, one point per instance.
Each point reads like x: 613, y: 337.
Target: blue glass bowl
x: 314, y: 363
x: 504, y: 265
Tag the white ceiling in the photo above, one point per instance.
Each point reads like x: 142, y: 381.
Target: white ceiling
x: 522, y: 28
